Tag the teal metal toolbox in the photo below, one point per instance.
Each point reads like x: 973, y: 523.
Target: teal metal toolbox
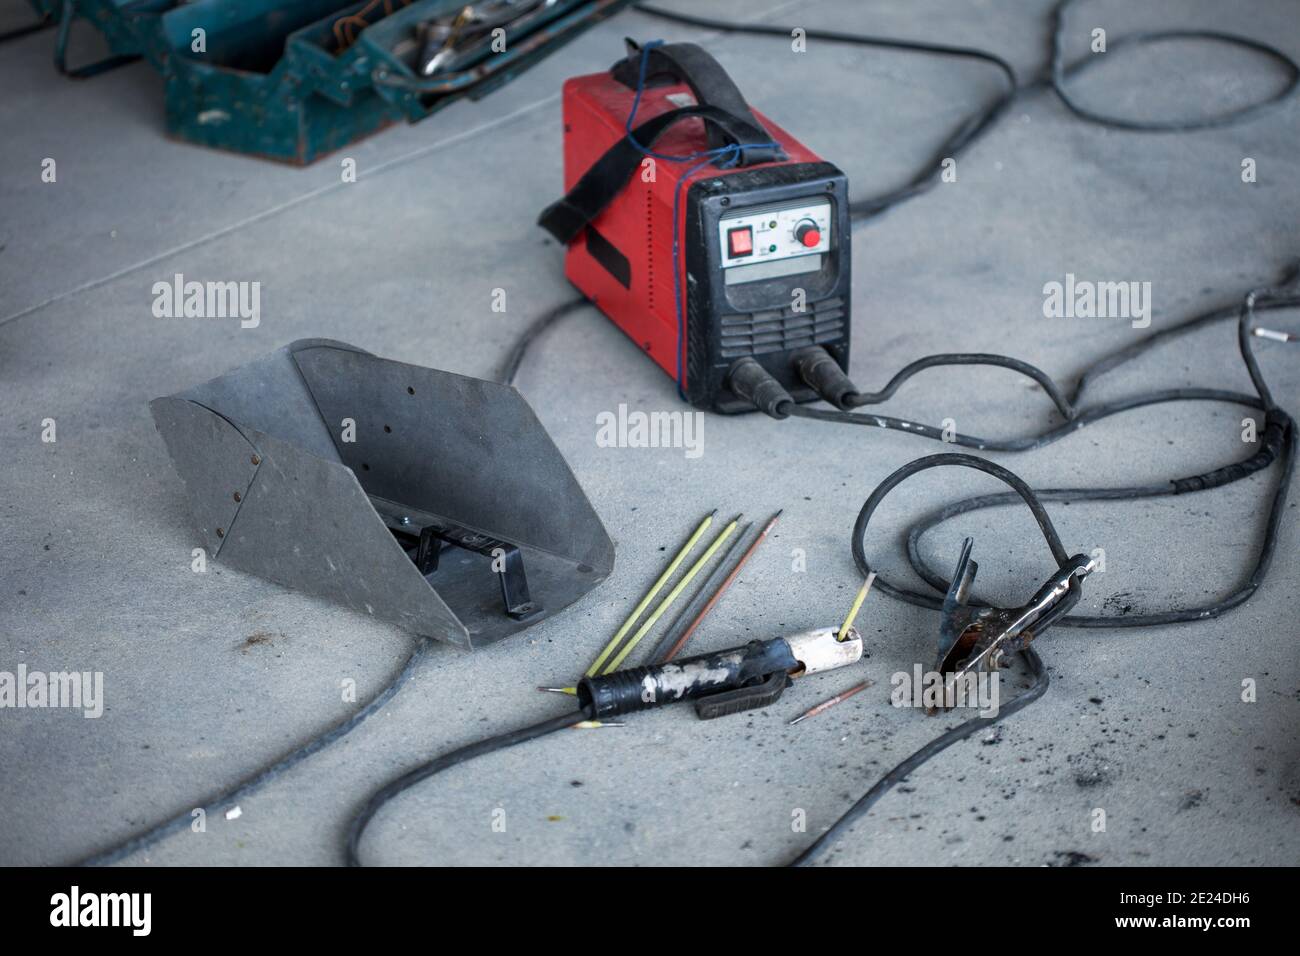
x: 294, y: 80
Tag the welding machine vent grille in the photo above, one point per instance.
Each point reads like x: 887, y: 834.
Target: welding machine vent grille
x: 779, y: 330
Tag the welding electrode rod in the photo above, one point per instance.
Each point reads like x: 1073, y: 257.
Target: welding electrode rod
x: 650, y: 595
x: 672, y: 596
x: 722, y: 588
x: 710, y: 584
x: 857, y: 606
x: 828, y: 704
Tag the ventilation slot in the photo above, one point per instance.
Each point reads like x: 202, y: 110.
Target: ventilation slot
x: 650, y: 248
x: 781, y: 330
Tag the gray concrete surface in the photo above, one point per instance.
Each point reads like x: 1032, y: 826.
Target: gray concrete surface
x: 1146, y: 724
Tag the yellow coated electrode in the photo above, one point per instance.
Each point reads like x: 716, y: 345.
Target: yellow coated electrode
x: 654, y: 589
x: 857, y: 606
x: 672, y: 595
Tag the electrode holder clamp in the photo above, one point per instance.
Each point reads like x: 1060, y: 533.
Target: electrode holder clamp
x: 724, y: 682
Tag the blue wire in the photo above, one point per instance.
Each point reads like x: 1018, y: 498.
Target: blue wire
x: 727, y: 156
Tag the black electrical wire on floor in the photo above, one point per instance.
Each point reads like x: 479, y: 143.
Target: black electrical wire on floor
x: 1281, y: 428
x: 510, y: 367
x: 480, y: 748
x: 913, y: 761
x: 242, y: 790
x: 1282, y: 442
x: 1279, y: 442
x: 1056, y: 79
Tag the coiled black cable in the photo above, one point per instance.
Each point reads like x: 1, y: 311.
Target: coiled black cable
x: 1279, y: 438
x: 1279, y: 431
x: 1060, y: 72
x: 1279, y: 441
x: 970, y: 130
x: 1056, y: 79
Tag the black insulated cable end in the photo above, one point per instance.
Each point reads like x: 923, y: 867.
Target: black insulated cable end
x: 825, y: 377
x: 755, y: 384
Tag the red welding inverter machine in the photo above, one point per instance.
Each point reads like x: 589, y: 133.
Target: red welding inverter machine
x: 717, y: 241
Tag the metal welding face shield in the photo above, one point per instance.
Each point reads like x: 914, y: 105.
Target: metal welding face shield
x: 431, y: 500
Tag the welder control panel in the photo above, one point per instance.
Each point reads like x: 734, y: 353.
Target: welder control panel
x: 775, y: 241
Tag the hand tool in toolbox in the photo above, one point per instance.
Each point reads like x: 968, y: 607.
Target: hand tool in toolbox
x: 294, y: 80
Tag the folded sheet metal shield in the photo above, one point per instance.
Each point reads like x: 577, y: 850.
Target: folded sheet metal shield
x: 428, y: 499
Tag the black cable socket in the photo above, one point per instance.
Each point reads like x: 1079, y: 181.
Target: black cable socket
x: 824, y: 376
x: 753, y: 383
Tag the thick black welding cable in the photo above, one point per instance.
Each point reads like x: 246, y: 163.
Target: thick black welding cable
x: 1056, y: 78
x: 260, y: 779
x: 44, y: 23
x: 965, y: 729
x: 480, y: 748
x: 945, y: 359
x: 1034, y: 500
x: 1282, y: 296
x: 957, y: 460
x: 1263, y: 561
x: 510, y: 367
x: 1059, y: 73
x: 929, y: 174
x: 1279, y: 443
x: 931, y: 748
x: 1030, y: 442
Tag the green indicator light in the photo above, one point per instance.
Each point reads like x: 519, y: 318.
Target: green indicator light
x: 771, y: 248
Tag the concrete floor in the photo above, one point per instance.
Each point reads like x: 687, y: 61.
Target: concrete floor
x: 1146, y: 724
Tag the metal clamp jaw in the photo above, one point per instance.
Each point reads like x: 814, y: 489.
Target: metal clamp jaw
x: 981, y: 638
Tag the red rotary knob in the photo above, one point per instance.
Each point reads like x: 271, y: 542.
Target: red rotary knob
x: 808, y: 233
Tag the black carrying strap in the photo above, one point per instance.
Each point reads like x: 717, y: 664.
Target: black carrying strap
x: 566, y: 217
x: 728, y: 121
x: 689, y: 63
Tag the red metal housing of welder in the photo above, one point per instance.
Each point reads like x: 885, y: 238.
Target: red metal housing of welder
x: 624, y: 261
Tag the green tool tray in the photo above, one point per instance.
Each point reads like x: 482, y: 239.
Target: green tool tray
x: 272, y: 80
